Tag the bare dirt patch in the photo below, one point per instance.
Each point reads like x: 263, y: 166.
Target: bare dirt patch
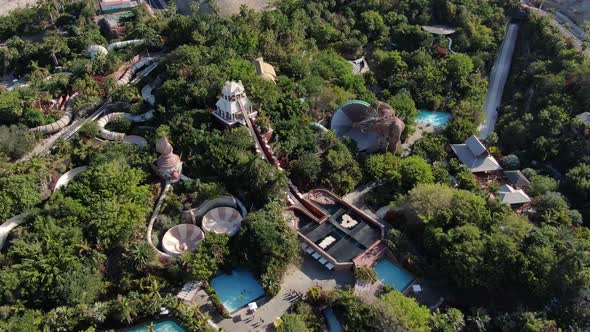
x: 7, y: 6
x: 226, y: 7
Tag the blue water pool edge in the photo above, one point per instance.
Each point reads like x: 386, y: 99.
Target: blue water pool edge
x: 143, y: 325
x: 403, y: 289
x: 227, y: 301
x: 436, y: 119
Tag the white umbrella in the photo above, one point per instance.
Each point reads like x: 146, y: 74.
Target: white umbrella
x: 252, y: 306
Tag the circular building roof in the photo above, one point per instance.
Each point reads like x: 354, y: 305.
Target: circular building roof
x: 344, y: 124
x: 182, y: 238
x: 222, y: 220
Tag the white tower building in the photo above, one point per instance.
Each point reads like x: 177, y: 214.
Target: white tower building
x: 228, y: 108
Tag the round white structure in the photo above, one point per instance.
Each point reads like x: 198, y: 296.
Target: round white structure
x: 222, y: 220
x: 182, y: 238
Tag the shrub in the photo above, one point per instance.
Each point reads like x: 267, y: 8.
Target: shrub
x: 541, y: 184
x: 15, y: 141
x: 292, y: 323
x: 89, y: 129
x: 511, y: 161
x: 365, y: 273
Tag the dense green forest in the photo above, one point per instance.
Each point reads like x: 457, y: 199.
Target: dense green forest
x: 81, y: 261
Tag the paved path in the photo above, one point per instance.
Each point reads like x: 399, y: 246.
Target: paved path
x: 498, y: 79
x: 7, y: 226
x: 311, y: 273
x: 558, y: 20
x: 355, y: 198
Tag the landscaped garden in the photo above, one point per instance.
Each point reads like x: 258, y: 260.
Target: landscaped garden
x: 90, y: 254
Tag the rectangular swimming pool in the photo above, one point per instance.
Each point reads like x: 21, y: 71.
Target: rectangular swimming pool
x: 393, y: 275
x: 238, y: 289
x: 162, y: 326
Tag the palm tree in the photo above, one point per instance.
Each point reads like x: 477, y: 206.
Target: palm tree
x: 141, y: 255
x: 127, y: 310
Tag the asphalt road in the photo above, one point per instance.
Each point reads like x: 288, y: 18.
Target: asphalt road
x: 498, y: 79
x: 574, y: 35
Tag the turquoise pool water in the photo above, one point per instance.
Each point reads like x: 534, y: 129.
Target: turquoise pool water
x: 237, y: 289
x: 392, y: 275
x: 437, y: 119
x: 163, y: 326
x: 333, y: 322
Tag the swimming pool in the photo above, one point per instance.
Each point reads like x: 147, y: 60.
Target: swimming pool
x: 237, y: 289
x: 392, y: 275
x: 333, y: 322
x: 162, y: 326
x: 437, y: 119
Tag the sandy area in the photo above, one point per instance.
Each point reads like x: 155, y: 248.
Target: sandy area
x: 227, y: 7
x: 7, y: 5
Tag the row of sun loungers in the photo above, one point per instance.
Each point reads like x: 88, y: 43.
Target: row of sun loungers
x: 188, y: 291
x: 322, y: 260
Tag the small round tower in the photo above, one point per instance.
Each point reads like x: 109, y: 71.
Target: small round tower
x: 169, y: 163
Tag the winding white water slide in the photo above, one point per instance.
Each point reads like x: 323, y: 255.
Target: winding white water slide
x: 59, y: 124
x: 7, y: 226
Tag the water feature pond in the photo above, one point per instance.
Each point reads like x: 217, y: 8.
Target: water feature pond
x: 437, y: 119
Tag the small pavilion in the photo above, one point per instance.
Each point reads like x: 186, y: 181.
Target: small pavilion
x: 475, y: 156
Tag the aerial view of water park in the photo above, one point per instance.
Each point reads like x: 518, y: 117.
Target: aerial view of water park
x: 294, y: 166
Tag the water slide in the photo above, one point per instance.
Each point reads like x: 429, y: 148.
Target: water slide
x: 59, y: 124
x: 7, y: 226
x: 498, y: 79
x: 95, y: 51
x: 115, y: 136
x: 146, y: 93
x: 130, y: 72
x: 65, y: 179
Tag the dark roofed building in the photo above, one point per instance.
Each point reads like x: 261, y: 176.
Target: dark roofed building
x: 517, y: 179
x: 474, y: 155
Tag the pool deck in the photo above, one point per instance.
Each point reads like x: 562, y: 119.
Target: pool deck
x: 421, y: 130
x: 298, y: 279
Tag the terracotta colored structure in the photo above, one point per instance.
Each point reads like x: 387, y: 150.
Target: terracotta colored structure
x: 169, y: 164
x: 388, y: 126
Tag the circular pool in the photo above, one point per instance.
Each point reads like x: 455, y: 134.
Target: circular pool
x: 222, y: 220
x: 182, y: 238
